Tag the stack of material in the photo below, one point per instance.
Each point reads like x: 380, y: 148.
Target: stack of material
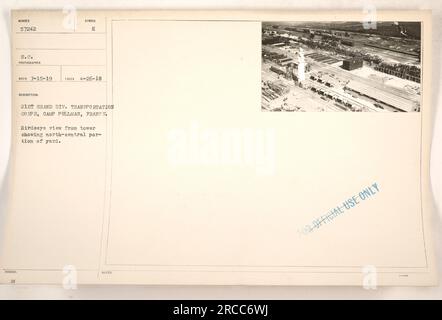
x: 268, y: 94
x: 278, y: 87
x: 273, y: 90
x: 277, y: 70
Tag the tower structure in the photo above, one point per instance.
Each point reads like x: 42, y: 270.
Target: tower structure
x: 301, y: 66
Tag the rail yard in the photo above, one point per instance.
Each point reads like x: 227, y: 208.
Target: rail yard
x: 337, y: 67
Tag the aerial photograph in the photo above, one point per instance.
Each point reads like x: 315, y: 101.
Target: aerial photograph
x: 341, y: 66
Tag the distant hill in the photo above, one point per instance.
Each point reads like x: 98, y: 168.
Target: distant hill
x: 410, y: 30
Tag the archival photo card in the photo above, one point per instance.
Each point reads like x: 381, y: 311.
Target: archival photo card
x: 141, y: 152
x: 341, y: 66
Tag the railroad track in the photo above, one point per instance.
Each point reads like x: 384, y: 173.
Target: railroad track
x: 342, y: 96
x: 351, y: 77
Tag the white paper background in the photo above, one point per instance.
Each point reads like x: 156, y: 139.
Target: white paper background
x: 228, y: 292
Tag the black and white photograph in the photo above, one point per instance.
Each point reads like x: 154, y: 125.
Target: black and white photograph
x: 341, y: 66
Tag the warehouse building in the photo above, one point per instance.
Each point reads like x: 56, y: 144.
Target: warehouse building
x: 400, y: 103
x: 352, y: 64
